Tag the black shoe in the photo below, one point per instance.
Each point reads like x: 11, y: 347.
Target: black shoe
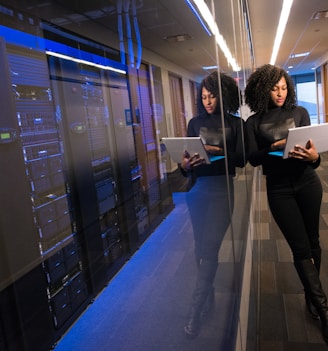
x: 192, y: 327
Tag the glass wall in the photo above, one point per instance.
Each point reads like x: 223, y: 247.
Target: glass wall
x: 88, y: 180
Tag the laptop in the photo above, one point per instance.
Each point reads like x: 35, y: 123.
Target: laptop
x: 301, y: 135
x: 177, y: 145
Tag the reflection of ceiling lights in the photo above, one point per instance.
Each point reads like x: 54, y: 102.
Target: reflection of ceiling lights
x: 85, y: 62
x: 178, y: 38
x: 286, y: 7
x: 204, y: 13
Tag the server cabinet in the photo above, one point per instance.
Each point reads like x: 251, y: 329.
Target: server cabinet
x: 23, y: 294
x: 74, y: 197
x: 23, y: 305
x: 45, y: 170
x: 147, y: 149
x: 129, y: 175
x: 37, y: 225
x: 81, y: 96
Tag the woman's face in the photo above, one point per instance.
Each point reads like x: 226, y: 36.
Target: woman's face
x: 209, y: 101
x: 279, y: 92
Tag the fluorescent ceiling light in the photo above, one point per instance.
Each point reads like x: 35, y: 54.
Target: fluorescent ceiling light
x: 70, y: 58
x: 303, y: 54
x: 212, y: 25
x: 209, y: 67
x: 285, y: 11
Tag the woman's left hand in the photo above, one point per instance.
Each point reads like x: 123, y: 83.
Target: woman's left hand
x: 308, y: 153
x: 214, y: 150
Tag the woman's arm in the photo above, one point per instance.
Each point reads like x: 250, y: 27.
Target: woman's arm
x: 239, y: 155
x: 254, y: 154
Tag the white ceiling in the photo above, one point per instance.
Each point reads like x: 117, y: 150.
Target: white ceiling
x: 158, y: 19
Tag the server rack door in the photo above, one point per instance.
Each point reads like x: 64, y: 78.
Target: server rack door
x: 19, y: 251
x: 23, y: 294
x: 68, y: 92
x: 44, y: 170
x: 127, y: 165
x: 146, y: 142
x: 80, y: 98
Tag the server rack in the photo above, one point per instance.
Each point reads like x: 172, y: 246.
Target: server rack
x: 50, y: 192
x: 39, y: 224
x: 83, y: 111
x: 73, y: 179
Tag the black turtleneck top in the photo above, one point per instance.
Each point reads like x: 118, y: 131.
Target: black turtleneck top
x: 210, y: 129
x: 264, y: 129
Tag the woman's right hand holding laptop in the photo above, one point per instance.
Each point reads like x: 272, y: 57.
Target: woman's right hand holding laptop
x: 190, y: 161
x: 305, y: 153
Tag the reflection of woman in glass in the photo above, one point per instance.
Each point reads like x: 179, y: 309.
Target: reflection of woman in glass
x: 293, y: 187
x: 210, y: 200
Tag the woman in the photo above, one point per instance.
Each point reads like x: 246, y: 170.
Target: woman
x: 294, y: 189
x: 210, y: 200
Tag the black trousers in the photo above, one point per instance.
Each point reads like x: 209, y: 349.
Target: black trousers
x: 295, y: 203
x: 210, y: 203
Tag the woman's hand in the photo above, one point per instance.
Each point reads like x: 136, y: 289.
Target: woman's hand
x: 214, y: 150
x: 189, y: 162
x: 308, y: 153
x: 278, y: 145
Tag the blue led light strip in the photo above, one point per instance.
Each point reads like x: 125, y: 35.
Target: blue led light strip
x: 198, y: 17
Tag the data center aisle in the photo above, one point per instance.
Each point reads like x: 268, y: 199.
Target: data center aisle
x: 283, y: 323
x: 145, y: 306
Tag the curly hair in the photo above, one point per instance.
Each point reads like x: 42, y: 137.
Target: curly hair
x: 229, y: 88
x: 260, y: 84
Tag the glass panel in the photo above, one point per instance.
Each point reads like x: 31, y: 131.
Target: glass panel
x: 104, y: 212
x: 237, y: 240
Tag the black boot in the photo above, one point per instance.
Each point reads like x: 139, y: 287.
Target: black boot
x: 316, y: 255
x: 309, y: 276
x: 204, y: 283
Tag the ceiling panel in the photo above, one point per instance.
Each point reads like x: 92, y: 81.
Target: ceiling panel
x: 158, y: 19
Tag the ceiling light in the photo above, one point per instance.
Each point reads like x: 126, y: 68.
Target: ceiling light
x: 209, y: 67
x: 177, y: 38
x: 320, y: 14
x: 303, y: 54
x: 212, y: 25
x: 285, y: 11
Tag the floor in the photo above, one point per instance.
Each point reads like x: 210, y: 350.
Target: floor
x: 146, y: 304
